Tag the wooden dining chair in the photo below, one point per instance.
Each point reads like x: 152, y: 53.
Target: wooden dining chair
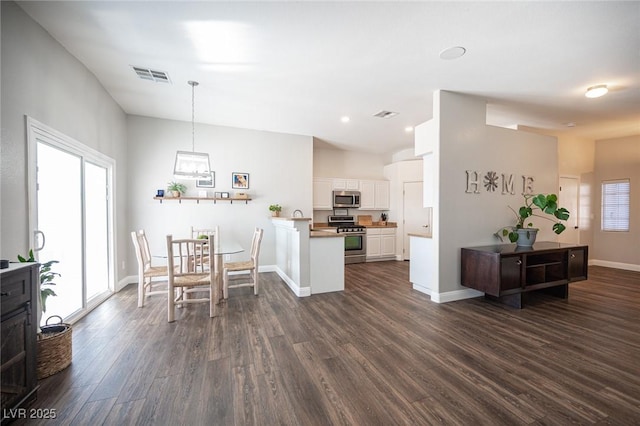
x: 211, y: 234
x: 250, y: 266
x: 190, y: 270
x: 146, y: 272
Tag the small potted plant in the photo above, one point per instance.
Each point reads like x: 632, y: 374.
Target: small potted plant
x: 275, y: 209
x: 176, y: 188
x: 523, y: 234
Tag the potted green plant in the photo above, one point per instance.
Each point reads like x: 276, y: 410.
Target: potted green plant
x: 523, y: 233
x: 46, y: 278
x: 275, y: 209
x: 54, y: 341
x: 176, y: 188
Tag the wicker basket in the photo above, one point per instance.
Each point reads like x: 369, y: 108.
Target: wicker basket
x: 54, y: 348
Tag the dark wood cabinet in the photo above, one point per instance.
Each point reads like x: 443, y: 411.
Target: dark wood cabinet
x: 506, y: 272
x: 18, y: 329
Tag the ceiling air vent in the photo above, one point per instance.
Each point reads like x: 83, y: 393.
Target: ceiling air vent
x: 152, y: 75
x: 385, y: 114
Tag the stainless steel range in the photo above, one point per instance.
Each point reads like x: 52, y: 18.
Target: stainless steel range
x: 355, y: 240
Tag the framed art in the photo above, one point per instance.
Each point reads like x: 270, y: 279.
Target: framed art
x: 207, y: 183
x: 240, y: 180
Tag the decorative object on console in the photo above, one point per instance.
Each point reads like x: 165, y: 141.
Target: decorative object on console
x: 191, y: 164
x: 176, y: 188
x: 524, y: 234
x: 240, y: 180
x: 275, y: 209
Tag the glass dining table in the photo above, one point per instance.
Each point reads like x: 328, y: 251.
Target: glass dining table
x: 222, y: 248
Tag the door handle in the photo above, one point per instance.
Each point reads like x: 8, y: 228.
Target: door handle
x: 36, y: 233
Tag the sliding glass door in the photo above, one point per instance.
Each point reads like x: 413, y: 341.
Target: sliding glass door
x: 71, y: 217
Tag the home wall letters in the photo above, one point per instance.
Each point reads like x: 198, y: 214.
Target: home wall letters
x: 491, y: 182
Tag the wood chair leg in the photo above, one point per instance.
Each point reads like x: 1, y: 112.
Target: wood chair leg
x: 170, y: 304
x: 255, y: 281
x: 141, y: 284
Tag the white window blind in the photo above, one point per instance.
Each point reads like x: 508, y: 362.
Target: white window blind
x: 615, y: 205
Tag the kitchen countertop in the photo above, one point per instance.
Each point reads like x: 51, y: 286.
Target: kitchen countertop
x: 320, y: 225
x: 329, y: 233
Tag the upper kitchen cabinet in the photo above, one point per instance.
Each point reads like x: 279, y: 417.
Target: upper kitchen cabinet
x: 322, y: 193
x: 346, y: 184
x: 374, y: 195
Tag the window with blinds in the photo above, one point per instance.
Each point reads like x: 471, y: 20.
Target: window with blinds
x: 615, y: 205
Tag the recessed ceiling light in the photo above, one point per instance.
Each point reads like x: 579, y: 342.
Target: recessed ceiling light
x: 570, y: 124
x: 408, y: 129
x: 345, y: 119
x: 596, y: 91
x: 452, y: 52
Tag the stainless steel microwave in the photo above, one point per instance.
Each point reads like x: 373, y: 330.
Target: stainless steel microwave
x: 346, y: 199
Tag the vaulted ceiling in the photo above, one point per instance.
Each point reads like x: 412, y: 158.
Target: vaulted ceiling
x: 299, y: 67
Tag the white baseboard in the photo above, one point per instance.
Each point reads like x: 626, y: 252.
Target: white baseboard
x: 125, y: 282
x: 295, y: 288
x: 616, y: 265
x: 449, y: 296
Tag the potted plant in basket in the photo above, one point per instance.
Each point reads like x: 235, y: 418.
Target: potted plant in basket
x: 54, y: 341
x: 523, y: 233
x: 275, y: 209
x: 176, y: 188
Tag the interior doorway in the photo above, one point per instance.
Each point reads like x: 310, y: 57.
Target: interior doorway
x: 71, y: 219
x: 416, y: 217
x: 569, y: 198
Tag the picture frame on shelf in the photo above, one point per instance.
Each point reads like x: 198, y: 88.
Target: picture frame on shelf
x: 240, y: 180
x: 224, y: 195
x: 207, y: 183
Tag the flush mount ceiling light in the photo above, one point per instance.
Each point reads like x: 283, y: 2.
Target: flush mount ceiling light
x: 191, y: 164
x: 452, y: 53
x: 596, y: 91
x: 385, y: 114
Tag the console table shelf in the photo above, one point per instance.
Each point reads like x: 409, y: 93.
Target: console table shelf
x: 198, y: 199
x: 506, y: 272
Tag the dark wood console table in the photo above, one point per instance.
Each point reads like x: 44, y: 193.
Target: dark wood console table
x: 505, y: 272
x: 18, y: 334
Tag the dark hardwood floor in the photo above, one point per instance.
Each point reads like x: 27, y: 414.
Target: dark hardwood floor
x: 378, y: 353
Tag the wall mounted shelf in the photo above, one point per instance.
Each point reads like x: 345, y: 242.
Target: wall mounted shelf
x: 198, y: 199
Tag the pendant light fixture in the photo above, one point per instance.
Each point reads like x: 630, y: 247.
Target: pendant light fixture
x: 191, y: 164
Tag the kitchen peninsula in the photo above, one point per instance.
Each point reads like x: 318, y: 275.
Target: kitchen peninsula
x: 309, y: 261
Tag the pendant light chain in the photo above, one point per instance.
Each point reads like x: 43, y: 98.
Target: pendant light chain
x: 193, y: 115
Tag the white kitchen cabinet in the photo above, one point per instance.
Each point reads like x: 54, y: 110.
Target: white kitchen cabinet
x: 374, y: 194
x: 322, y: 194
x: 340, y: 184
x: 388, y: 245
x: 381, y: 244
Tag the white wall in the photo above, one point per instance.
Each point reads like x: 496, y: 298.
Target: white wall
x: 334, y: 163
x: 617, y: 159
x: 465, y: 142
x: 42, y: 80
x: 279, y: 167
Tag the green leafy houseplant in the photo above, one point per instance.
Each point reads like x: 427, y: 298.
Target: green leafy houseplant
x: 547, y: 204
x: 275, y: 209
x: 46, y: 278
x: 176, y: 187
